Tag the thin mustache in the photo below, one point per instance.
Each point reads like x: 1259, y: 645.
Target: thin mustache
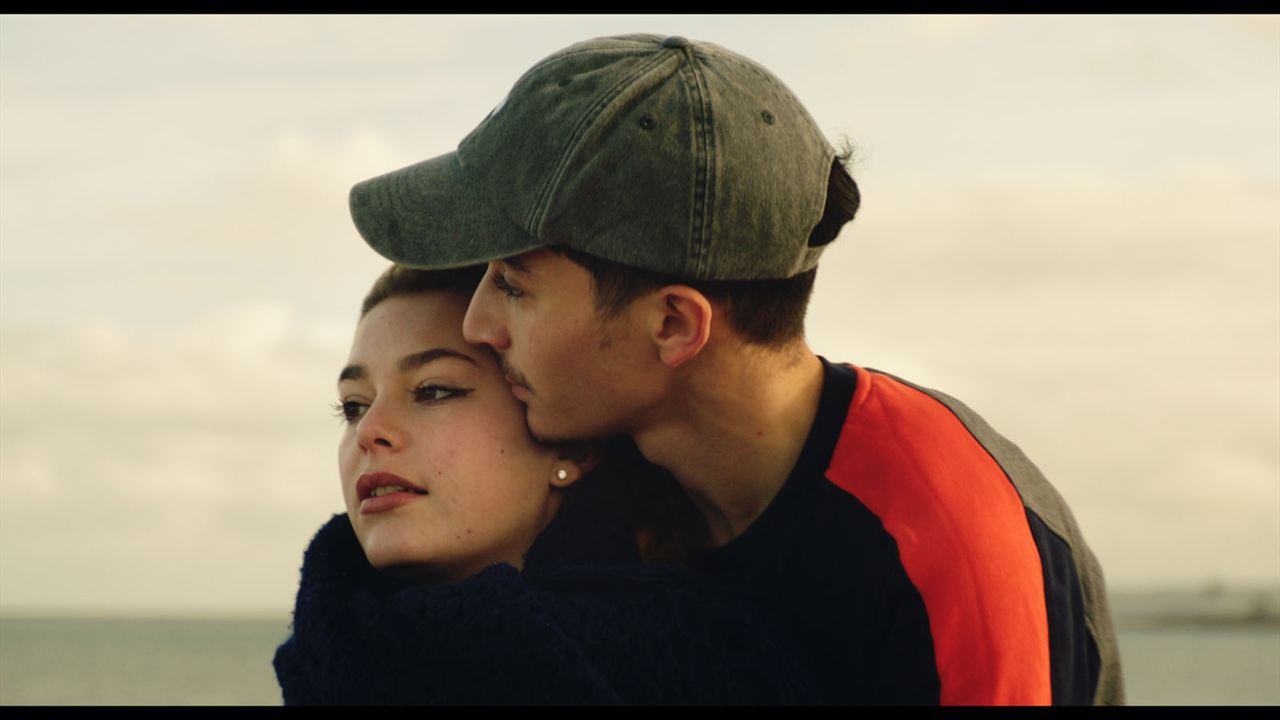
x: 512, y: 373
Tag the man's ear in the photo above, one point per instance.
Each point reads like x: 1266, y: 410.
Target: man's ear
x: 574, y: 461
x: 684, y: 324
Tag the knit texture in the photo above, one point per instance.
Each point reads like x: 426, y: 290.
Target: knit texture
x: 607, y: 632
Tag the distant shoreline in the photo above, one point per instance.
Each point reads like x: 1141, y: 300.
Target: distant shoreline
x: 128, y: 616
x: 1211, y: 605
x: 1159, y: 622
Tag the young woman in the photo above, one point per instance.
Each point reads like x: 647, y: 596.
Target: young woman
x: 475, y: 565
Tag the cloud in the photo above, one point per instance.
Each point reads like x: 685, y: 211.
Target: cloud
x: 942, y: 28
x: 123, y: 447
x: 1090, y: 260
x: 1124, y: 331
x: 1263, y: 28
x: 272, y: 225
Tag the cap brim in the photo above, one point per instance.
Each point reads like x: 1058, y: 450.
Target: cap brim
x: 427, y: 215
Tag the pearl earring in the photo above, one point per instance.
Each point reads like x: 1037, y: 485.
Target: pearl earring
x: 562, y: 474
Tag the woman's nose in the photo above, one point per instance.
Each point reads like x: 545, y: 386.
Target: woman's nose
x: 379, y: 429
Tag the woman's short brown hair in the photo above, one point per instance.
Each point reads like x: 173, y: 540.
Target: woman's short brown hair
x: 401, y: 280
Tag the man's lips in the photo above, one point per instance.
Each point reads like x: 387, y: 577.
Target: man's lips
x: 521, y: 392
x: 368, y: 482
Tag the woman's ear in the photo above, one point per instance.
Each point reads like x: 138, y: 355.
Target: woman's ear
x: 573, y: 461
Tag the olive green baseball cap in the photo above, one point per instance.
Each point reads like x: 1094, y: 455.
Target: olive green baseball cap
x: 665, y: 154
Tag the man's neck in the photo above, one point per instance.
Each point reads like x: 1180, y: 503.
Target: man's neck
x: 733, y: 430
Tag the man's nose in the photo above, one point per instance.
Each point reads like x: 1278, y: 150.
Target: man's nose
x: 484, y: 323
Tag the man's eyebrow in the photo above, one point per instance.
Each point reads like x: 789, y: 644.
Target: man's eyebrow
x: 416, y: 360
x: 407, y: 363
x: 516, y: 263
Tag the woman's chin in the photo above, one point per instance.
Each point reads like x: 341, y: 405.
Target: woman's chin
x: 401, y: 564
x: 406, y: 551
x: 405, y: 562
x: 385, y: 548
x: 411, y: 572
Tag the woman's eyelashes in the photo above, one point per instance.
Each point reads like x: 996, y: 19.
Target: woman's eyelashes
x: 430, y: 393
x: 349, y: 410
x: 427, y: 394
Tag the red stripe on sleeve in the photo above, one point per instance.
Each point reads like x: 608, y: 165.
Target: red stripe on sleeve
x: 962, y: 537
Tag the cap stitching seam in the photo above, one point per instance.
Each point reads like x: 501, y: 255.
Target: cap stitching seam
x: 704, y: 173
x: 768, y: 77
x: 585, y: 122
x: 539, y: 209
x: 810, y: 127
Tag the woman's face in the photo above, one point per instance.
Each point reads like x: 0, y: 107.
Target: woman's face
x: 439, y: 474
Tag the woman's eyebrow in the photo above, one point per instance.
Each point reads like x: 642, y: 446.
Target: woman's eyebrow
x: 407, y: 363
x: 416, y: 360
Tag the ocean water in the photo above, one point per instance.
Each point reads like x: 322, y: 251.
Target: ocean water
x: 139, y: 662
x: 1199, y: 665
x: 176, y: 662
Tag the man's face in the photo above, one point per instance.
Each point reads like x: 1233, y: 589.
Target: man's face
x: 580, y: 375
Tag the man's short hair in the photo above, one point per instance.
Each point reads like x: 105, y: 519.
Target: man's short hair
x: 762, y: 312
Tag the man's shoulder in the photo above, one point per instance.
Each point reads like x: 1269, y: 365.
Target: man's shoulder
x: 940, y: 484
x: 921, y: 453
x: 887, y: 413
x: 930, y: 434
x: 957, y: 421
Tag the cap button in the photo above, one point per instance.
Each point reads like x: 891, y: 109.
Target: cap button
x: 675, y: 41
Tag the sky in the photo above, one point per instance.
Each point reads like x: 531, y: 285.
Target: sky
x: 1070, y: 223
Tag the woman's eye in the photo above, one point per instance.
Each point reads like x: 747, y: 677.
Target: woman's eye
x: 500, y: 282
x: 350, y: 410
x: 436, y: 393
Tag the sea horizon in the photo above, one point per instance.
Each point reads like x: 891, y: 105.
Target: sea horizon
x: 1209, y: 602
x: 1215, y: 646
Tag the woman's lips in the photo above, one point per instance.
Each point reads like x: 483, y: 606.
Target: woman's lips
x: 404, y: 492
x: 390, y: 501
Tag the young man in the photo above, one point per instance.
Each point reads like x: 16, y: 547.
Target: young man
x: 653, y: 211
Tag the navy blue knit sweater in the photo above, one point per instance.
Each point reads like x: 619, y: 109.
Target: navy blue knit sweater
x: 585, y: 624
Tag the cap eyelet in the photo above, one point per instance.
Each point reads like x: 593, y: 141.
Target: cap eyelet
x: 647, y: 122
x: 768, y: 116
